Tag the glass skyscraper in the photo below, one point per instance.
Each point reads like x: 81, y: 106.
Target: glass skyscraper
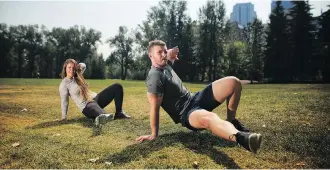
x: 243, y: 13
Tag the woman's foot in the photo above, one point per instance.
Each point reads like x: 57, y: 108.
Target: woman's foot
x: 103, y: 119
x: 121, y: 115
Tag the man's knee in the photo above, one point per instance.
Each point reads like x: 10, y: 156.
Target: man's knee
x: 205, y: 121
x: 235, y: 83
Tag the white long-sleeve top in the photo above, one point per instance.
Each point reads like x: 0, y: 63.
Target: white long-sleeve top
x: 69, y: 87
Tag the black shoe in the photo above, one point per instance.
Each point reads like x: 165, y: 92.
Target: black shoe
x: 239, y: 126
x: 250, y: 141
x: 121, y: 115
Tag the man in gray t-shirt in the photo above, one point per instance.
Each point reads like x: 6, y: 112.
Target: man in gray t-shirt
x: 194, y: 111
x: 176, y: 97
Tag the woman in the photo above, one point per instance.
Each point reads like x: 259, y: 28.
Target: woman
x: 89, y: 103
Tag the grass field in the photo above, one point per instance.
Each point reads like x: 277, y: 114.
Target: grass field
x: 294, y: 120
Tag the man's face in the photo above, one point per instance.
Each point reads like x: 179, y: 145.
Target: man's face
x: 158, y: 55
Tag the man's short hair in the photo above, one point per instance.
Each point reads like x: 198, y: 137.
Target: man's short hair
x: 156, y: 43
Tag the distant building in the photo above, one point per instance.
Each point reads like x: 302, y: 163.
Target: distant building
x: 243, y: 13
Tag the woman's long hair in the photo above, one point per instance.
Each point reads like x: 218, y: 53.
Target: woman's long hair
x: 79, y: 78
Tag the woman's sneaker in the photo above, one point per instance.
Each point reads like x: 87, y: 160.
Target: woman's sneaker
x: 103, y: 119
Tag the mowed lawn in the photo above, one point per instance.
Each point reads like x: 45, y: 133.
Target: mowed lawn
x: 294, y: 120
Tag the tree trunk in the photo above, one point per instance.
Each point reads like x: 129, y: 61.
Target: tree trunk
x: 122, y: 68
x: 19, y: 62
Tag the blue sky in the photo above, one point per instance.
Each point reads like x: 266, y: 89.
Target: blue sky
x: 107, y: 16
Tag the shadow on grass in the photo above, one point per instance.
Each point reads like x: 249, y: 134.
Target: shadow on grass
x: 310, y: 139
x: 202, y: 143
x: 82, y: 120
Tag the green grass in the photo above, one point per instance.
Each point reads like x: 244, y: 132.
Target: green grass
x: 296, y: 132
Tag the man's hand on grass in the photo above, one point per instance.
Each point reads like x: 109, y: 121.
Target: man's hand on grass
x: 145, y: 137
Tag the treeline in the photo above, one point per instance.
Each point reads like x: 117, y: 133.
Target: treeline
x: 292, y: 47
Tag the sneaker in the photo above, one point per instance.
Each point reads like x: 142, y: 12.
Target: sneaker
x: 121, y: 115
x: 250, y: 141
x: 239, y: 126
x: 103, y: 119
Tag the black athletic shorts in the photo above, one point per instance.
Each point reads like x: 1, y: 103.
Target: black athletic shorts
x: 203, y: 99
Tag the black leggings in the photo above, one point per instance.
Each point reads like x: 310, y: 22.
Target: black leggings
x: 102, y: 99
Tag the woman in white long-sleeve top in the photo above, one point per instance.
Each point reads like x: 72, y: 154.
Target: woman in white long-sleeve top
x: 89, y: 103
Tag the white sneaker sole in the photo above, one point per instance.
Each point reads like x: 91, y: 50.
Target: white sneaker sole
x: 255, y: 142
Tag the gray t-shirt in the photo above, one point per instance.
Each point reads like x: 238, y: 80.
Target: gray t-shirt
x: 69, y: 87
x: 165, y: 82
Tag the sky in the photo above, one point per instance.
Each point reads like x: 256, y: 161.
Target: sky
x: 107, y: 16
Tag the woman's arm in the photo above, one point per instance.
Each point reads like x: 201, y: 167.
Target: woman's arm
x: 64, y: 93
x: 82, y: 67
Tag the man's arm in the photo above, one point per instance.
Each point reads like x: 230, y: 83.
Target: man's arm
x: 155, y: 102
x: 172, y: 54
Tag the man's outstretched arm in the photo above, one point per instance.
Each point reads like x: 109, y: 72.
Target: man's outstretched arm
x: 155, y: 102
x: 172, y: 54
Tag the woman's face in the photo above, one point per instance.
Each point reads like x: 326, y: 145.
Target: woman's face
x: 69, y: 70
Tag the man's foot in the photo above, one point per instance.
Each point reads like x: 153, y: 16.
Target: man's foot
x: 250, y: 141
x: 239, y: 126
x: 122, y: 115
x: 103, y: 119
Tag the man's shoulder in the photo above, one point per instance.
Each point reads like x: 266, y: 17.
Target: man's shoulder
x: 155, y: 74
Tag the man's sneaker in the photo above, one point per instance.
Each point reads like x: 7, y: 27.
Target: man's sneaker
x: 250, y: 141
x: 121, y: 115
x: 239, y: 126
x: 103, y: 119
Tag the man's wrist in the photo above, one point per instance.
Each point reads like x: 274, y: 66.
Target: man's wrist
x: 170, y: 62
x: 154, y: 135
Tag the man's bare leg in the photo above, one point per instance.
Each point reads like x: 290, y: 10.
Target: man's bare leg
x: 203, y: 119
x: 229, y: 89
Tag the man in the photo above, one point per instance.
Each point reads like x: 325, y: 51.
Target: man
x: 193, y: 111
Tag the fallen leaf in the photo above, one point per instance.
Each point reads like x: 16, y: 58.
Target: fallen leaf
x: 15, y: 144
x: 108, y: 163
x: 93, y: 160
x: 195, y: 164
x: 24, y: 110
x: 300, y: 164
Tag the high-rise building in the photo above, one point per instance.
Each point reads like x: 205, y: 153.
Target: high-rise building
x: 243, y: 13
x: 285, y: 4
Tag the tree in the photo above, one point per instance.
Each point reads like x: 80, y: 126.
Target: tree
x: 235, y: 61
x: 324, y: 38
x: 97, y: 67
x: 188, y: 51
x: 6, y: 44
x: 303, y: 63
x: 255, y: 43
x: 211, y: 18
x: 277, y: 46
x: 122, y: 55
